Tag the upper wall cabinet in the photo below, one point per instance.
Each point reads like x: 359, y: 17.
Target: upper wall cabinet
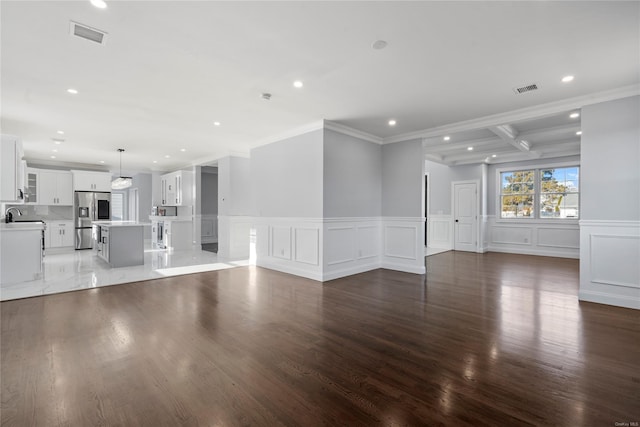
x: 32, y: 186
x: 12, y: 172
x: 177, y: 188
x: 55, y: 188
x: 91, y: 181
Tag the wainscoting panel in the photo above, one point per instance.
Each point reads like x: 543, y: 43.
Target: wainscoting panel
x: 440, y: 232
x: 280, y: 242
x: 291, y: 245
x: 368, y: 238
x: 307, y: 245
x: 403, y: 244
x: 531, y: 237
x: 234, y: 237
x: 609, y: 266
x: 341, y: 244
x: 328, y: 248
x: 568, y: 238
x: 352, y: 245
x: 511, y: 235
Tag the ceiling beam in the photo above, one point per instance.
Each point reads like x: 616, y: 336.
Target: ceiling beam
x: 509, y: 135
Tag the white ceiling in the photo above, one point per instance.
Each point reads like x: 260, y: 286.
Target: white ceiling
x: 169, y: 69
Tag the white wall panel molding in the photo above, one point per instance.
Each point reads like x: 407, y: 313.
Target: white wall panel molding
x: 352, y: 245
x: 538, y: 237
x: 291, y: 245
x: 403, y: 244
x: 234, y: 236
x: 330, y: 248
x: 440, y: 233
x: 609, y: 254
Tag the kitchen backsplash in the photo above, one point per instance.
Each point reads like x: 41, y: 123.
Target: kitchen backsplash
x: 51, y: 213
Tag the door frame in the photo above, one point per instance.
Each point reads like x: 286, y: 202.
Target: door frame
x: 453, y: 212
x: 427, y: 206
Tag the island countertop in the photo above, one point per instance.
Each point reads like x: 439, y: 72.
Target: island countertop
x: 120, y: 223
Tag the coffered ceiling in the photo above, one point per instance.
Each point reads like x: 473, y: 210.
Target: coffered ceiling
x: 169, y: 70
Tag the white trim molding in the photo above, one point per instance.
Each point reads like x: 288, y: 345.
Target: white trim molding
x: 533, y: 237
x: 609, y: 254
x: 440, y: 233
x: 329, y: 248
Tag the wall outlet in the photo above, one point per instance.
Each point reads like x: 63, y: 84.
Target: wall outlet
x: 526, y: 240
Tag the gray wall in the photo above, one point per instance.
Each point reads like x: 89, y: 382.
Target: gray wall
x: 403, y: 179
x: 287, y: 177
x: 352, y: 179
x: 440, y: 179
x: 234, y: 186
x: 209, y: 192
x: 610, y: 151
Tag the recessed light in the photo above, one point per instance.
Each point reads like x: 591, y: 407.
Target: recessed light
x: 57, y: 141
x: 53, y: 157
x: 167, y: 156
x: 155, y: 161
x: 579, y: 133
x: 469, y: 148
x: 183, y: 149
x: 298, y: 84
x: 60, y: 132
x: 55, y: 150
x: 574, y: 115
x: 392, y: 122
x: 100, y: 4
x: 102, y: 161
x: 567, y: 79
x: 447, y: 138
x: 379, y: 44
x: 216, y: 123
x: 72, y: 91
x: 494, y: 155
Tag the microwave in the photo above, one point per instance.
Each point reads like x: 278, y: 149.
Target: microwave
x: 164, y: 211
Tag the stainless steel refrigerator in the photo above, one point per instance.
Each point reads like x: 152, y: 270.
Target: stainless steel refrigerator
x: 89, y: 206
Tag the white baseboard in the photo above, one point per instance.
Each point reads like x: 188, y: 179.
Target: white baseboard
x: 404, y: 268
x: 532, y: 251
x: 290, y: 269
x: 609, y: 299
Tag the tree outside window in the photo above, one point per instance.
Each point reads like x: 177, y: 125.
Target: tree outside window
x: 552, y: 192
x: 518, y: 192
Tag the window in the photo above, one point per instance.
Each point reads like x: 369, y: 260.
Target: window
x: 552, y: 192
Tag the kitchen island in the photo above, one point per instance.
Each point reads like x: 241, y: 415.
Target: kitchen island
x: 119, y: 243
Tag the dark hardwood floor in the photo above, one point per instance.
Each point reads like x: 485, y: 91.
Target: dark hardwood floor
x: 491, y: 339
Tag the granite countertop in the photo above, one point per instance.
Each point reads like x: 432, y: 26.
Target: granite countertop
x: 120, y: 223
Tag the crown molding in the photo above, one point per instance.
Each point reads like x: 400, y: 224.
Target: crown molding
x: 527, y: 113
x: 346, y: 130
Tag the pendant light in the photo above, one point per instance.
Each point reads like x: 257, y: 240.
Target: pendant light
x: 121, y: 182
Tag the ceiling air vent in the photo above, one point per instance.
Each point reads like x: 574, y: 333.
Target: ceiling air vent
x: 87, y: 33
x: 527, y: 88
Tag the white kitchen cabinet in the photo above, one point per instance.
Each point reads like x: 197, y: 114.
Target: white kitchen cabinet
x: 60, y: 234
x: 56, y: 187
x: 32, y: 186
x: 177, y: 188
x: 21, y: 247
x: 12, y: 172
x: 91, y: 181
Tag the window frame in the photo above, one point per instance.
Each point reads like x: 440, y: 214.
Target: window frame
x: 537, y: 185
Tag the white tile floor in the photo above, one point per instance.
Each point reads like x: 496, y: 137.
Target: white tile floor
x: 68, y: 270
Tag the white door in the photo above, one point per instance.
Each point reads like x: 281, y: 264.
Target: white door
x: 465, y: 213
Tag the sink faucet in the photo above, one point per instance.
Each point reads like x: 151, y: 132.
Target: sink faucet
x: 8, y: 216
